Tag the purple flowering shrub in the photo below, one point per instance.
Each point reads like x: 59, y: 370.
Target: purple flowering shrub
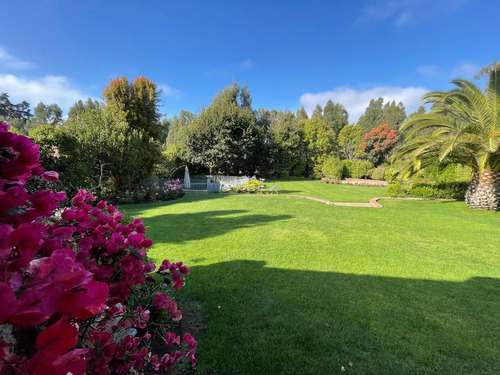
x: 77, y: 294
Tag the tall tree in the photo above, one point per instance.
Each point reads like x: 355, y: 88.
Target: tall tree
x: 336, y: 116
x: 228, y: 95
x: 373, y: 116
x: 378, y: 143
x: 223, y: 138
x: 465, y: 125
x: 108, y: 145
x: 245, y: 98
x: 14, y: 114
x: 136, y: 103
x: 349, y: 139
x: 288, y: 148
x: 320, y: 141
x: 394, y: 114
x: 420, y: 110
x: 45, y: 115
x: 177, y: 131
x: 301, y: 114
x: 318, y: 112
x: 11, y: 110
x: 79, y: 107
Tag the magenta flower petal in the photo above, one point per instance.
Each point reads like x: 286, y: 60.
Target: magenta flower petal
x: 50, y: 176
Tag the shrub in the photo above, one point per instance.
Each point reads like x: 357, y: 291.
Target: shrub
x: 449, y: 173
x: 333, y: 168
x: 443, y: 190
x: 361, y: 169
x: 78, y: 294
x: 348, y: 167
x: 378, y: 173
x: 397, y: 191
x: 431, y: 174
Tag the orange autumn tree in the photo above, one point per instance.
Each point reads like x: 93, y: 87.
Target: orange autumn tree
x: 378, y: 143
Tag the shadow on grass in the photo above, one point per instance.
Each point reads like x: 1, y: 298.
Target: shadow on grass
x: 287, y: 191
x: 138, y: 208
x: 277, y: 321
x: 193, y: 226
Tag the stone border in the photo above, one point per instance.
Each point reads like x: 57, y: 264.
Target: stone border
x: 347, y: 204
x: 373, y: 202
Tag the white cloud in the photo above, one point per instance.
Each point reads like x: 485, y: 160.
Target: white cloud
x: 406, y: 13
x: 11, y: 62
x: 356, y: 101
x: 49, y: 89
x: 169, y: 91
x: 464, y: 70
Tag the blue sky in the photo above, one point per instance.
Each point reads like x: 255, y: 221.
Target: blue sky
x: 289, y: 53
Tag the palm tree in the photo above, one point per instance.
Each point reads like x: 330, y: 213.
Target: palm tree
x: 462, y: 127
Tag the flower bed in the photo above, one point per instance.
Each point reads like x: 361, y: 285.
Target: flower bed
x: 357, y: 182
x: 155, y: 192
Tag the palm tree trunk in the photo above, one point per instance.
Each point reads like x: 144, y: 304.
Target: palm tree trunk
x: 484, y: 191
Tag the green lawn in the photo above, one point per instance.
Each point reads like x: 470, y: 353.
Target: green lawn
x: 292, y: 286
x: 319, y: 189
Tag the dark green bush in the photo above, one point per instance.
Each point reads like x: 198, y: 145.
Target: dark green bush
x: 348, y: 166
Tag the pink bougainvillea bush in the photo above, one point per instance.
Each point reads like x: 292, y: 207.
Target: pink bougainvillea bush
x: 77, y: 294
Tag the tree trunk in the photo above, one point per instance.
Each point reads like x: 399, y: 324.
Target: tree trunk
x: 484, y: 191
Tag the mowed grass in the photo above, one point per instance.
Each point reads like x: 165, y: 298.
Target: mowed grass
x: 319, y: 189
x: 293, y: 286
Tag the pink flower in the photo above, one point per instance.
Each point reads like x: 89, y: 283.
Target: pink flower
x: 191, y: 356
x: 50, y: 176
x: 161, y: 301
x: 68, y: 215
x: 189, y: 340
x: 175, y: 314
x: 101, y: 205
x: 172, y: 338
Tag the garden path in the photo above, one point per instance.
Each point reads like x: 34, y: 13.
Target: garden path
x: 373, y: 202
